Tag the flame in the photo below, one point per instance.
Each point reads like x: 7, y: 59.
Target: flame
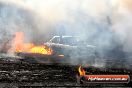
x: 81, y: 71
x: 20, y: 46
x: 41, y: 50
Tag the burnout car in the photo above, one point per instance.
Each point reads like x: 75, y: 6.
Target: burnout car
x: 61, y: 49
x: 72, y: 49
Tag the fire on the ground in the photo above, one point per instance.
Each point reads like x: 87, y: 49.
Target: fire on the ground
x: 20, y: 46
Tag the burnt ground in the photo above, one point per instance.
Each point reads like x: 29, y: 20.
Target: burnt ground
x: 22, y: 74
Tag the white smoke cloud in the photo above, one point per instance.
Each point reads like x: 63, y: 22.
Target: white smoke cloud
x: 94, y: 20
x: 122, y: 23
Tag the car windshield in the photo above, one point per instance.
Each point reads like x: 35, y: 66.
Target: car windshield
x: 67, y: 40
x: 70, y: 41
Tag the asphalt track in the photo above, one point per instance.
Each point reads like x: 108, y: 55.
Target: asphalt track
x: 14, y: 75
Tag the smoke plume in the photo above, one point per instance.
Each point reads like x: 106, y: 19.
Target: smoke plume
x: 104, y: 23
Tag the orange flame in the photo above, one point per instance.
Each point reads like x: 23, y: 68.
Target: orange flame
x: 81, y: 71
x: 20, y: 46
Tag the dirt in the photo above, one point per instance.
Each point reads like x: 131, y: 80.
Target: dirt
x: 22, y: 74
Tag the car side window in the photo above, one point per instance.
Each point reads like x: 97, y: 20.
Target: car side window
x: 68, y: 41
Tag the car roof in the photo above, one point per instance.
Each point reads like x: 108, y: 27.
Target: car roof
x: 64, y: 36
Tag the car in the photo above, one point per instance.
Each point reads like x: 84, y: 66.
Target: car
x: 72, y: 48
x: 65, y: 50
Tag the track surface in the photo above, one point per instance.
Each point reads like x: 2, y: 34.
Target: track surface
x: 36, y: 75
x: 15, y: 75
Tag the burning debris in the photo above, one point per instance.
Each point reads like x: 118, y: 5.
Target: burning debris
x: 18, y: 46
